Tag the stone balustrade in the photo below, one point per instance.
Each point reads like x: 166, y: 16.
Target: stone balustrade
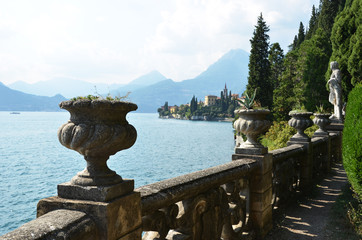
x: 231, y: 201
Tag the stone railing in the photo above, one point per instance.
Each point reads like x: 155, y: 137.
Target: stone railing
x: 208, y: 204
x: 231, y: 201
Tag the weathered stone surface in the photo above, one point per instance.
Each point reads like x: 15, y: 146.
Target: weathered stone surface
x: 252, y: 123
x: 164, y: 193
x: 261, y: 201
x: 251, y: 150
x: 114, y: 219
x: 135, y: 235
x: 335, y: 96
x: 261, y: 183
x: 300, y: 121
x: 262, y: 221
x: 59, y: 224
x: 97, y: 129
x: 265, y: 161
x: 322, y: 121
x: 95, y: 193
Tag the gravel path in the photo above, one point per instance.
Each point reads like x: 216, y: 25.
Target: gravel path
x: 308, y: 218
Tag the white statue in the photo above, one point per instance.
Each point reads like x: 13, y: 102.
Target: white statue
x: 335, y: 96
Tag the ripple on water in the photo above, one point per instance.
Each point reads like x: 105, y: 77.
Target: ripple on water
x: 33, y: 162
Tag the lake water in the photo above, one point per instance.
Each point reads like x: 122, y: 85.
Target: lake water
x: 33, y: 162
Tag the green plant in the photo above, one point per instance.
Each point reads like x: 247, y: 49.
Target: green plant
x: 321, y: 109
x: 248, y: 102
x: 280, y: 133
x: 100, y: 97
x: 299, y: 108
x: 351, y: 143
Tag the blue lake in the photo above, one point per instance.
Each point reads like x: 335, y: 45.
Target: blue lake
x: 33, y: 162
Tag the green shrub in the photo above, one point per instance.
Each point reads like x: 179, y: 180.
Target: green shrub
x: 280, y: 133
x: 352, y: 140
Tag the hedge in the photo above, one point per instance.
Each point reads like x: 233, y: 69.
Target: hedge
x: 352, y: 140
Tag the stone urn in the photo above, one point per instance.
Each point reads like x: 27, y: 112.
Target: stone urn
x: 322, y: 121
x: 300, y: 121
x: 97, y: 129
x: 252, y: 123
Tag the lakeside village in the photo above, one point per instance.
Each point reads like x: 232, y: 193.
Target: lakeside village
x: 212, y: 109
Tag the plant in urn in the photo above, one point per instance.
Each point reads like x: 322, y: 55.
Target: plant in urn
x: 252, y: 123
x: 97, y: 129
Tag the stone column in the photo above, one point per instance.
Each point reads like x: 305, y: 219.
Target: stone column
x: 115, y: 209
x: 260, y: 188
x: 306, y: 163
x: 301, y: 121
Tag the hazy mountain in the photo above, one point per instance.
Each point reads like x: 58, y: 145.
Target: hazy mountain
x: 13, y: 100
x: 231, y: 69
x: 71, y: 87
x: 65, y: 86
x: 152, y: 90
x: 143, y: 81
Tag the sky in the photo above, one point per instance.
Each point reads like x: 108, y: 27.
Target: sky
x: 117, y: 41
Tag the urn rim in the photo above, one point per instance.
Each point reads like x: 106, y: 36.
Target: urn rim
x: 322, y: 114
x: 291, y: 113
x: 98, y: 103
x: 252, y: 111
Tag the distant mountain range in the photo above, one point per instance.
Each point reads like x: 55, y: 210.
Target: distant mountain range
x: 12, y: 100
x: 152, y: 90
x: 231, y: 69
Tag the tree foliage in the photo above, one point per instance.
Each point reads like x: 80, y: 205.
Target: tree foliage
x: 276, y: 58
x: 259, y: 66
x: 346, y: 41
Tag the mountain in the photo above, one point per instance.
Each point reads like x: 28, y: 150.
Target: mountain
x: 82, y: 88
x: 65, y: 86
x: 231, y: 69
x: 13, y: 100
x: 141, y: 82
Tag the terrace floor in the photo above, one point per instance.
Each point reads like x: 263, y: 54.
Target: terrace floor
x: 309, y: 217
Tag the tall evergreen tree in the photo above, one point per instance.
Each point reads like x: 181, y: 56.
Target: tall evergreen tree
x: 301, y: 34
x: 276, y: 57
x: 328, y: 11
x: 259, y: 67
x: 284, y: 98
x: 312, y: 23
x: 346, y: 40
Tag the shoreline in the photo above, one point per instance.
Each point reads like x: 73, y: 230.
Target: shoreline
x: 199, y: 118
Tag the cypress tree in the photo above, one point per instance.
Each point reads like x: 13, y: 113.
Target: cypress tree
x: 347, y: 45
x: 301, y: 34
x: 312, y: 23
x: 259, y: 67
x: 276, y: 57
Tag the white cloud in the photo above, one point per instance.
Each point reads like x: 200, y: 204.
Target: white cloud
x: 121, y: 40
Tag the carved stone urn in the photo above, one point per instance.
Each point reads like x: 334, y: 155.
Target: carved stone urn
x: 252, y: 123
x: 97, y: 129
x: 322, y: 121
x: 300, y: 121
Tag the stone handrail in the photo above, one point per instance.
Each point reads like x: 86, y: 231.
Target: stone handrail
x: 180, y: 204
x: 58, y: 224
